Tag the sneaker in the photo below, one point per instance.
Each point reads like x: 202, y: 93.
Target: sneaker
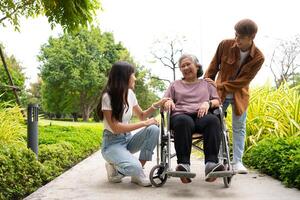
x: 184, y: 168
x: 141, y: 180
x: 240, y: 168
x: 211, y: 167
x: 112, y: 174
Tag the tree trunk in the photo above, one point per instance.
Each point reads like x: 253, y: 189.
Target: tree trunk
x: 174, y: 77
x: 86, y: 114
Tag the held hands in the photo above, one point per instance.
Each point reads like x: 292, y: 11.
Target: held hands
x: 169, y: 105
x: 203, y: 109
x: 160, y: 103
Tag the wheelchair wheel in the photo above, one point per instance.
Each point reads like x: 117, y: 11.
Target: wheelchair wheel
x: 156, y: 177
x: 227, y: 180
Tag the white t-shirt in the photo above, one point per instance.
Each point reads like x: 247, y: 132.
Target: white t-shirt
x: 244, y: 55
x: 106, y: 105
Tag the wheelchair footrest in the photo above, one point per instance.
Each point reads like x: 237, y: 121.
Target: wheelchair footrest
x: 181, y: 174
x: 220, y: 174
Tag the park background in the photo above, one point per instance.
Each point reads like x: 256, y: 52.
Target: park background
x: 63, y: 70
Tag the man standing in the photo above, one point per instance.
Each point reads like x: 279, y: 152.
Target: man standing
x: 236, y: 62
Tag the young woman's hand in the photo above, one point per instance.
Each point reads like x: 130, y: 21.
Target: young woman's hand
x: 203, y: 109
x: 151, y: 121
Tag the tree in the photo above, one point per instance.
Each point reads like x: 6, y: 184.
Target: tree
x: 168, y: 51
x: 70, y: 14
x: 147, y: 87
x: 17, y: 75
x: 285, y: 61
x: 75, y: 68
x: 34, y: 92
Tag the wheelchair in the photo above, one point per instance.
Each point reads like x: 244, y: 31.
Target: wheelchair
x: 162, y: 171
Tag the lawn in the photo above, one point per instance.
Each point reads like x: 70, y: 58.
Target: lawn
x: 46, y: 122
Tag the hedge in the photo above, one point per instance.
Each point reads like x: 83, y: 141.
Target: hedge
x: 20, y: 172
x: 277, y: 157
x: 60, y: 148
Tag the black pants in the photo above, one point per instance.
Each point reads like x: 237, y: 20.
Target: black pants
x: 184, y: 125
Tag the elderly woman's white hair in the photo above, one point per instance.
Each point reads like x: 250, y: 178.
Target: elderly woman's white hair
x: 195, y: 60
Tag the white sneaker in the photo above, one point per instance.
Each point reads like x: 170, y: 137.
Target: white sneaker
x: 240, y: 168
x: 112, y: 174
x: 141, y: 180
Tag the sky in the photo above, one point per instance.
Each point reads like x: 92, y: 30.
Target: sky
x: 138, y: 23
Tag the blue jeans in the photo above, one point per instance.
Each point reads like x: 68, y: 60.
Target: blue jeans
x: 238, y: 129
x: 118, y: 149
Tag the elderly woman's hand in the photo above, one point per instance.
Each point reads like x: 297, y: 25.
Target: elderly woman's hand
x: 169, y: 105
x: 203, y: 109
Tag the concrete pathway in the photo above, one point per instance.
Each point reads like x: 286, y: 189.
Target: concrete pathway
x: 87, y: 180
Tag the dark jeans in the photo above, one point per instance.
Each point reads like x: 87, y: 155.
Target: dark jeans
x: 184, y: 125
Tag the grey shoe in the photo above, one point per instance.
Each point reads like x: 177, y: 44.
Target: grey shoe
x: 211, y: 167
x: 112, y: 174
x: 184, y: 168
x: 141, y: 180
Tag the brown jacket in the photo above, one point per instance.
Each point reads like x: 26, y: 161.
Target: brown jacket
x: 232, y: 78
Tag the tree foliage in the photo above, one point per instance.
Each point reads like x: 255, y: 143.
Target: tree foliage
x: 34, y: 92
x: 70, y: 14
x: 74, y: 69
x: 17, y: 75
x: 147, y: 88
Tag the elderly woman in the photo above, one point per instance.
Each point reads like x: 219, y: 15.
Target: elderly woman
x: 190, y: 100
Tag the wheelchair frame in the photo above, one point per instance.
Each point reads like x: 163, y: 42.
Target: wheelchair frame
x: 162, y: 171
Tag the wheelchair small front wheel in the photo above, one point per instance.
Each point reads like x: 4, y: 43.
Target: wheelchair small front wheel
x: 156, y: 176
x: 227, y: 180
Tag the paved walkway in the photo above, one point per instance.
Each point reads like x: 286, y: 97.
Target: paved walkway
x: 87, y: 180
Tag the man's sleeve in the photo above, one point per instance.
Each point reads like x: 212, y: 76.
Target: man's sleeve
x: 214, y: 65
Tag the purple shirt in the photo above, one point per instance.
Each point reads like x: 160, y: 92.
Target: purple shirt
x: 187, y: 97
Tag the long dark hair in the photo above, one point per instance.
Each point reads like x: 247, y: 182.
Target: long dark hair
x: 117, y: 89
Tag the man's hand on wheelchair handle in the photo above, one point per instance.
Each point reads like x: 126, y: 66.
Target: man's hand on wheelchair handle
x: 203, y: 109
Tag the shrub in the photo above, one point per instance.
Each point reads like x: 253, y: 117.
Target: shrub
x: 85, y: 140
x: 20, y: 172
x: 271, y: 111
x: 278, y: 157
x: 59, y: 149
x: 56, y: 158
x: 12, y: 127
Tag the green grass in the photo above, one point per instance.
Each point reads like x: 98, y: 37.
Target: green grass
x: 47, y: 122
